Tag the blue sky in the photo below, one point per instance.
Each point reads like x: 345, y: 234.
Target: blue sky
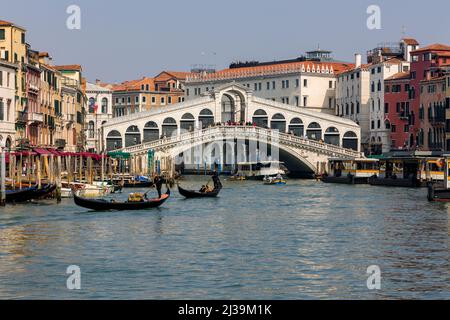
x: 122, y: 40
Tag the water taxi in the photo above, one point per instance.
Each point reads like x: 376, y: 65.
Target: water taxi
x: 261, y: 169
x: 351, y: 171
x: 409, y: 169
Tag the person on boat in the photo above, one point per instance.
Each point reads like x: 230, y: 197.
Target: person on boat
x: 216, y: 180
x: 158, y: 182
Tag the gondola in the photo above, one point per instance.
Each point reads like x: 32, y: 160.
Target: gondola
x: 44, y: 191
x: 21, y: 195
x: 105, y: 205
x: 197, y: 194
x: 138, y: 184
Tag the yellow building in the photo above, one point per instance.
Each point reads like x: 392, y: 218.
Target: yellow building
x: 13, y: 49
x: 72, y: 112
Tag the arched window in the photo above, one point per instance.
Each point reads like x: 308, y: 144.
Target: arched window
x: 314, y: 131
x: 92, y: 105
x: 296, y: 127
x: 169, y: 127
x: 104, y: 105
x: 260, y: 118
x: 206, y: 118
x: 151, y: 131
x: 91, y: 128
x: 187, y: 122
x: 387, y: 125
x: 278, y: 123
x: 332, y: 136
x: 113, y: 140
x: 350, y: 140
x: 132, y: 136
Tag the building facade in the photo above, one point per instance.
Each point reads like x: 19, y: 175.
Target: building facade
x: 7, y: 102
x: 99, y: 111
x: 307, y: 82
x: 398, y: 112
x: 447, y: 112
x: 352, y: 98
x: 145, y: 94
x: 432, y: 114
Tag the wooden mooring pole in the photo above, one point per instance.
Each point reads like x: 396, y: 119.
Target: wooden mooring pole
x: 2, y: 175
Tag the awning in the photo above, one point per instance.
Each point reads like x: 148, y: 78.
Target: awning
x: 24, y: 153
x: 42, y: 152
x: 119, y: 155
x: 56, y: 152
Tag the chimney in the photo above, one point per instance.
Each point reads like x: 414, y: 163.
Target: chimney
x: 358, y: 59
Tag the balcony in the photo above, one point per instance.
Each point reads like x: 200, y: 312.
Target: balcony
x: 34, y: 117
x: 69, y: 118
x: 22, y: 117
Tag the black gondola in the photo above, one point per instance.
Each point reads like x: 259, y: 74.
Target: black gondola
x: 138, y: 184
x: 44, y: 191
x: 105, y: 205
x: 197, y: 194
x: 21, y: 195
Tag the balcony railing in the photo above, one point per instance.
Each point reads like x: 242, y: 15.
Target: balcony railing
x: 35, y: 117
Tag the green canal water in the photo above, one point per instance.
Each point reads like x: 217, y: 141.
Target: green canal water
x: 306, y: 240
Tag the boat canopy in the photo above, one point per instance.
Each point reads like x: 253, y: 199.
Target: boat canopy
x: 119, y: 155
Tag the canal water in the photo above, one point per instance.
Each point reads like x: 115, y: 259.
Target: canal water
x: 306, y: 240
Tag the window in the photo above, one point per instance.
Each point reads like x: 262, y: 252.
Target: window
x: 153, y: 100
x: 104, y: 105
x: 386, y: 108
x: 273, y: 85
x: 297, y: 101
x: 163, y: 100
x: 2, y: 110
x: 169, y: 99
x: 1, y: 78
x: 305, y: 83
x: 330, y: 84
x: 305, y: 101
x: 330, y: 103
x: 136, y: 99
x: 379, y: 70
x: 2, y: 34
x: 268, y: 85
x: 287, y: 84
x: 406, y: 128
x: 23, y: 38
x: 297, y: 83
x: 372, y: 125
x: 378, y: 124
x: 393, y: 128
x: 387, y: 89
x: 144, y: 100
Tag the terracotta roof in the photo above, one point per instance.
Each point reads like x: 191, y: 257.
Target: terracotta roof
x: 440, y: 78
x: 71, y: 67
x: 338, y: 67
x: 134, y: 85
x: 166, y: 75
x: 44, y: 55
x: 4, y: 23
x: 410, y: 41
x: 433, y: 47
x: 399, y: 76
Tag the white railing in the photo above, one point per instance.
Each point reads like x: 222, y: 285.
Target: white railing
x: 223, y: 132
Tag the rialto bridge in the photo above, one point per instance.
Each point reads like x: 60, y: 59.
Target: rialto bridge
x: 303, y: 139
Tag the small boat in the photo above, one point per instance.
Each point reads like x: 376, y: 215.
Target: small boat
x: 438, y: 194
x: 274, y: 181
x: 190, y: 194
x: 237, y: 177
x: 45, y: 191
x: 21, y: 195
x: 106, y: 205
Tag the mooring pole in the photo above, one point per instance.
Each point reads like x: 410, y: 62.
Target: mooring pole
x: 2, y: 175
x: 58, y: 180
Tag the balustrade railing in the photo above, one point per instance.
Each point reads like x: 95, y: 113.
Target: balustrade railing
x: 242, y: 131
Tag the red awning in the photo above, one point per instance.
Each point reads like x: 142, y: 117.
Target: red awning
x: 42, y: 152
x: 24, y: 153
x: 55, y: 152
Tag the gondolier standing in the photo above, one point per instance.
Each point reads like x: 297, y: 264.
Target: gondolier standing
x: 216, y: 180
x: 158, y: 184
